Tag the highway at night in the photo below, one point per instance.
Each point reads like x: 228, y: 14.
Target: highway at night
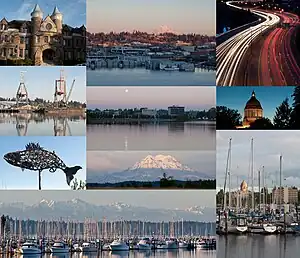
x: 262, y: 54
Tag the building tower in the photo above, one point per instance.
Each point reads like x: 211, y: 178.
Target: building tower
x: 60, y: 90
x: 22, y: 94
x: 253, y: 111
x: 57, y: 18
x: 36, y: 21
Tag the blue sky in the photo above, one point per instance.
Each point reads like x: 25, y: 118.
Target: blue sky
x: 72, y: 151
x: 40, y: 81
x: 146, y: 15
x: 269, y: 97
x: 74, y: 11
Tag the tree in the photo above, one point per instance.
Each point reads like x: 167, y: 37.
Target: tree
x: 295, y: 115
x: 167, y: 181
x: 78, y: 185
x: 227, y: 118
x: 262, y: 123
x: 282, y: 118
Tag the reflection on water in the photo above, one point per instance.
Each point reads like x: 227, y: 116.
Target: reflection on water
x: 143, y: 77
x: 169, y: 136
x: 136, y: 254
x: 41, y: 125
x: 258, y: 246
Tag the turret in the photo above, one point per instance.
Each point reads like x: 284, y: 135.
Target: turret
x: 36, y: 21
x: 57, y: 18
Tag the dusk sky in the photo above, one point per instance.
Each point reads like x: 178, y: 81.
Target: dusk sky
x: 14, y: 178
x: 117, y: 161
x: 74, y: 11
x: 237, y: 97
x: 40, y: 81
x: 169, y: 199
x: 151, y: 97
x: 189, y: 16
x: 268, y: 146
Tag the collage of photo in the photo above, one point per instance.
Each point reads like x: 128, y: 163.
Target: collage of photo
x: 149, y: 129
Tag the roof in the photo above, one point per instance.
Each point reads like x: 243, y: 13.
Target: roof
x: 253, y: 103
x: 56, y: 11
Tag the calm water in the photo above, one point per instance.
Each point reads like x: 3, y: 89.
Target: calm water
x: 139, y: 254
x: 33, y: 124
x: 258, y: 246
x: 143, y: 77
x: 172, y: 136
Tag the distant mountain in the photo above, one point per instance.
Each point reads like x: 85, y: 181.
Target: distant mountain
x: 150, y: 169
x: 77, y: 209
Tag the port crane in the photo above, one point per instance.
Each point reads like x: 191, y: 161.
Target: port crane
x: 22, y: 93
x: 60, y: 93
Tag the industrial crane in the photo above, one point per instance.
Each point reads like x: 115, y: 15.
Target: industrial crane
x: 70, y: 92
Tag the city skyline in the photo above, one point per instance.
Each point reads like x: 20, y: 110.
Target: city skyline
x: 14, y: 178
x: 268, y: 146
x: 43, y: 89
x: 237, y: 97
x: 133, y: 16
x: 74, y: 12
x: 169, y: 199
x: 151, y: 97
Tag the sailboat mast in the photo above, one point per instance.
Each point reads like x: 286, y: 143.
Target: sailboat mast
x: 264, y: 189
x: 226, y: 174
x: 259, y: 190
x: 280, y: 183
x: 252, y: 174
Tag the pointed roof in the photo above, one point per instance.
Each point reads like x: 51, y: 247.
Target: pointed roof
x: 56, y: 11
x: 37, y: 11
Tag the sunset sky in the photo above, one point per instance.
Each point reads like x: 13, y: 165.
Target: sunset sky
x: 150, y: 16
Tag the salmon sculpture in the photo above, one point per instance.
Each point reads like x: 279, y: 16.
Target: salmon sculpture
x: 36, y: 158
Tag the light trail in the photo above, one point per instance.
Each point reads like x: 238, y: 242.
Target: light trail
x: 231, y: 52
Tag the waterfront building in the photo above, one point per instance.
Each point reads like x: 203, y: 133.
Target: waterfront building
x: 149, y: 112
x: 176, y: 111
x: 41, y: 40
x: 285, y: 195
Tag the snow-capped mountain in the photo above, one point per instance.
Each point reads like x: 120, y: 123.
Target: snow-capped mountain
x: 77, y: 209
x: 150, y: 169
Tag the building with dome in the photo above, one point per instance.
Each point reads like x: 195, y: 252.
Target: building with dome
x: 42, y: 40
x: 253, y: 111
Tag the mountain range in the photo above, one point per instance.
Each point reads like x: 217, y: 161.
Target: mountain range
x: 150, y: 169
x: 77, y: 209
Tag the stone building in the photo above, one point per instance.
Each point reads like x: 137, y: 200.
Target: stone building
x: 42, y: 40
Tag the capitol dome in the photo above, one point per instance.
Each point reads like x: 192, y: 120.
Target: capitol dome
x: 244, y: 186
x: 253, y: 103
x: 253, y: 111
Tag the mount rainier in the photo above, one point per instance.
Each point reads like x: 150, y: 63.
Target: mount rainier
x: 151, y: 169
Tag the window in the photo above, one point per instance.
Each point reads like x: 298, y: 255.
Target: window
x: 22, y: 40
x: 46, y: 39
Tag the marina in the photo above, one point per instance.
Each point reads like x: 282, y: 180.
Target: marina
x: 258, y: 210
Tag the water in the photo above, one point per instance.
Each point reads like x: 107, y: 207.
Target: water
x: 143, y: 77
x: 172, y: 136
x: 258, y: 246
x: 32, y: 124
x: 137, y: 254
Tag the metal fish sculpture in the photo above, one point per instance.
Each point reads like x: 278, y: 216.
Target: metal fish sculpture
x: 36, y: 158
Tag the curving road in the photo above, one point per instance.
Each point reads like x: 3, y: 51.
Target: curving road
x: 265, y: 54
x: 278, y: 64
x: 230, y: 54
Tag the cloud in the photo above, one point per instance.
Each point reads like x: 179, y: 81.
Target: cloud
x: 268, y: 146
x: 23, y: 13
